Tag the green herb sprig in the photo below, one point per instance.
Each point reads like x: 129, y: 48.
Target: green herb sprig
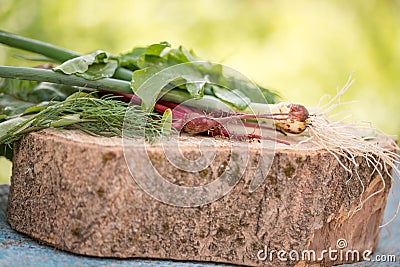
x: 96, y: 116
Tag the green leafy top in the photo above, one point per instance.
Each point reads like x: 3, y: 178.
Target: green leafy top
x: 196, y: 76
x: 94, y: 66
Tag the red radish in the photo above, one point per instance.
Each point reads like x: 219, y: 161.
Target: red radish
x: 290, y: 118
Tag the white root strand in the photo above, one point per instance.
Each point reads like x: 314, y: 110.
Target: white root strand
x: 344, y: 141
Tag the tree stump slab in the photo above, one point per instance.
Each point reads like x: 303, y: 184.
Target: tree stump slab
x: 76, y: 193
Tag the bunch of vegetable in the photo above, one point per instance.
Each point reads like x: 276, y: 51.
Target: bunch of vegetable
x: 91, y: 92
x: 65, y: 95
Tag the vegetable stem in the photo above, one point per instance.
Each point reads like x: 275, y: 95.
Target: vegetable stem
x: 207, y: 102
x: 107, y: 84
x: 41, y: 75
x: 35, y: 46
x: 50, y: 51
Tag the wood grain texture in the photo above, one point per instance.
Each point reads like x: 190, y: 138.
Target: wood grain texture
x: 75, y: 192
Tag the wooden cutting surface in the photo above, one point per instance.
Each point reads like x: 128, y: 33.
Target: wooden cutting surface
x: 19, y: 250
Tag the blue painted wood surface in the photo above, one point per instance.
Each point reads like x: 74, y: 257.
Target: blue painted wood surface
x: 20, y: 250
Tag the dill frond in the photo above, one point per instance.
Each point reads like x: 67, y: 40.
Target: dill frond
x: 106, y: 116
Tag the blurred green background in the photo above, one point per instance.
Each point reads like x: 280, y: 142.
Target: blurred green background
x: 303, y: 49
